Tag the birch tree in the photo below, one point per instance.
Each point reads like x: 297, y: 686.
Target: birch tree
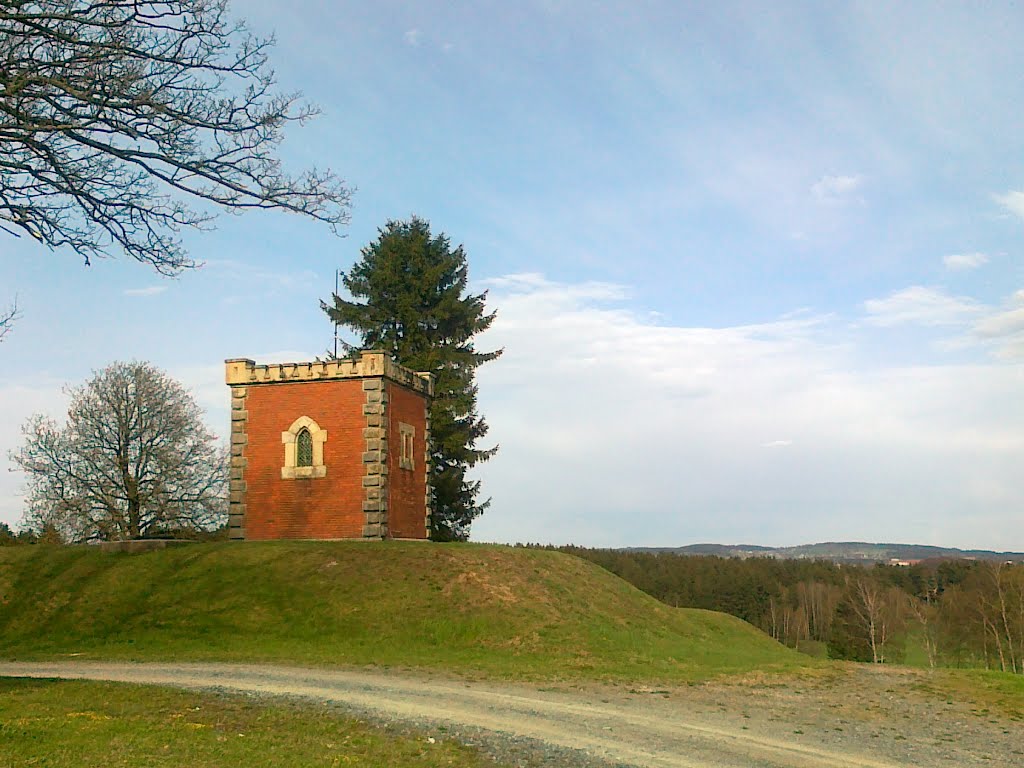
x: 999, y: 591
x: 926, y: 614
x: 880, y: 613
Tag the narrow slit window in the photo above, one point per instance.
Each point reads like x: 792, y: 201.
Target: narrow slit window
x: 304, y: 448
x: 407, y: 432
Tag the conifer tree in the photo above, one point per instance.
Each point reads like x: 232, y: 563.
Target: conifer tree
x: 410, y: 299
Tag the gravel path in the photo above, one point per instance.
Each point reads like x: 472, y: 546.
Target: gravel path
x: 873, y: 721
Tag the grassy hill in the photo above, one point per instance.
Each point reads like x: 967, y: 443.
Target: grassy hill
x: 488, y: 610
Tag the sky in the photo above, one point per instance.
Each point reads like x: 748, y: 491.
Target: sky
x: 757, y: 266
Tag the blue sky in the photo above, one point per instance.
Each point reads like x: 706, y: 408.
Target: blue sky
x: 757, y: 267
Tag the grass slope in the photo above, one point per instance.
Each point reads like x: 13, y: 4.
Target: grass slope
x: 113, y: 725
x: 497, y: 611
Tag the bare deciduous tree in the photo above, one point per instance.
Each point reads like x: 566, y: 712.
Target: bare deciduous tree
x: 926, y: 614
x: 133, y: 459
x: 880, y: 612
x: 7, y: 317
x: 999, y: 591
x: 114, y: 112
x: 819, y: 601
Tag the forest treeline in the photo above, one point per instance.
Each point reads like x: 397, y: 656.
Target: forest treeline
x: 963, y: 613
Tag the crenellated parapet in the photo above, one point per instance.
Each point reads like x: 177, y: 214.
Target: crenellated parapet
x: 373, y: 363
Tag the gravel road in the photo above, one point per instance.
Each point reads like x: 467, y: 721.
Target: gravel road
x: 873, y: 721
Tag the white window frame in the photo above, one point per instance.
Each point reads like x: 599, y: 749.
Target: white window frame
x: 291, y: 470
x: 407, y: 435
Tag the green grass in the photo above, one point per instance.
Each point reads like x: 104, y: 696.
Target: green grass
x: 814, y: 648
x: 986, y: 690
x: 484, y: 610
x: 113, y: 725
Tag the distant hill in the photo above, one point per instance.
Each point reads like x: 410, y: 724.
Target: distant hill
x: 840, y: 552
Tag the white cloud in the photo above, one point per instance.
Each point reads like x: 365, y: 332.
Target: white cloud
x: 618, y: 430
x: 206, y: 384
x: 267, y: 281
x: 920, y: 305
x: 1000, y: 330
x: 412, y: 37
x: 836, y: 188
x: 1011, y: 349
x: 151, y: 290
x: 538, y: 288
x: 1001, y: 324
x: 1012, y: 201
x: 965, y: 261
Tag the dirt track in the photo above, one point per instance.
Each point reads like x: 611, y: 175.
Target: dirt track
x: 870, y: 723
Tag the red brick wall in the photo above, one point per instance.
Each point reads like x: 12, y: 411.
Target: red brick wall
x: 407, y: 489
x: 315, y: 508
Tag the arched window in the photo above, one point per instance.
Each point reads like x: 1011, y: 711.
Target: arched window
x: 304, y: 449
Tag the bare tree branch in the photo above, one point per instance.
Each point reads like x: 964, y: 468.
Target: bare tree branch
x: 113, y: 113
x: 7, y: 318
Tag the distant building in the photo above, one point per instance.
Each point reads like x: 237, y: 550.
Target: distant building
x: 329, y: 450
x: 904, y: 563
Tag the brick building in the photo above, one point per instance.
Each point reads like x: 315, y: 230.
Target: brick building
x: 334, y: 450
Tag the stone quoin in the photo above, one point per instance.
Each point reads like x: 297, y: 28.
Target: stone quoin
x: 329, y: 450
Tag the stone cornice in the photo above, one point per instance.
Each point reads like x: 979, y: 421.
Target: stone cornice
x: 372, y: 363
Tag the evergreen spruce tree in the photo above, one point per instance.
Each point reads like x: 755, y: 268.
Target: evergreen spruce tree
x: 409, y: 299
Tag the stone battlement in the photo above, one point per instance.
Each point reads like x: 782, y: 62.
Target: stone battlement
x: 370, y: 364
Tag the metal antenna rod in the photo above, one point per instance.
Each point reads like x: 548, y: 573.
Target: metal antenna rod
x: 337, y: 274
